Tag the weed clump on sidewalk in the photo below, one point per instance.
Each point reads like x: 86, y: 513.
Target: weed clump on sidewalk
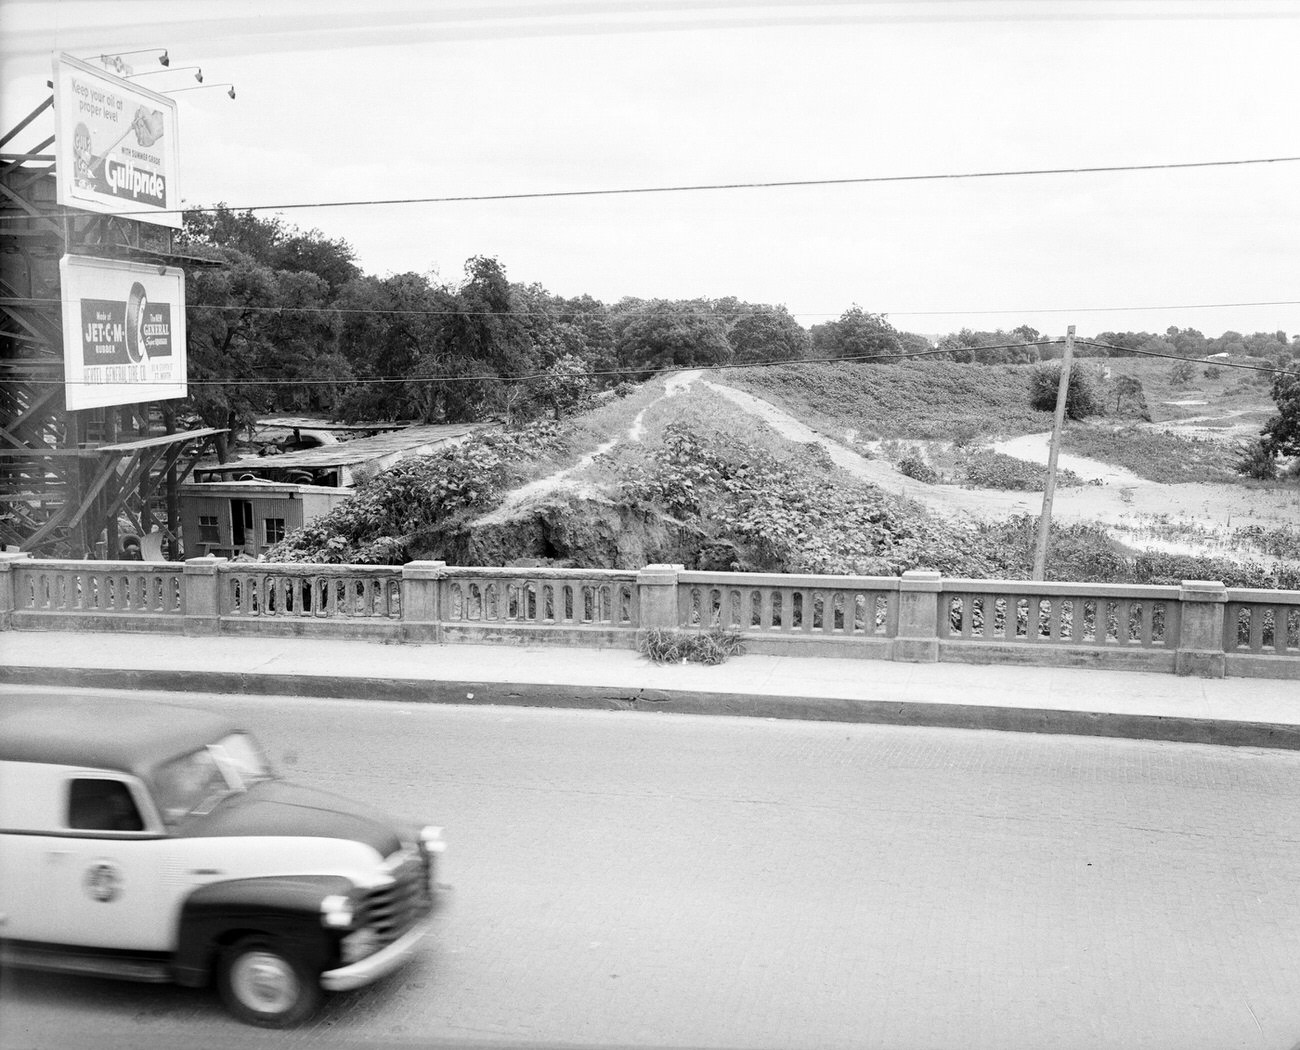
x: 698, y: 647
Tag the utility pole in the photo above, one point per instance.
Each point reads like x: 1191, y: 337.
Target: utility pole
x: 1045, y: 519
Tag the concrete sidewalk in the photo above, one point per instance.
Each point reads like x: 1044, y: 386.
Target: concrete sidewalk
x: 1233, y: 711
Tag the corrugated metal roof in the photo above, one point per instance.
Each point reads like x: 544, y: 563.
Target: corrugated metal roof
x: 314, y: 423
x: 364, y: 450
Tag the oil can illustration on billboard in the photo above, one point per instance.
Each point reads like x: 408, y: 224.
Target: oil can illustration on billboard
x: 124, y: 332
x: 116, y: 145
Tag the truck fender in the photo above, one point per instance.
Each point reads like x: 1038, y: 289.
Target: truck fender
x: 284, y: 907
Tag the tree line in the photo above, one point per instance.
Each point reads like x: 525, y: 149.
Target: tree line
x: 282, y: 319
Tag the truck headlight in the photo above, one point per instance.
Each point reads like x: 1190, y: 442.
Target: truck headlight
x: 336, y: 911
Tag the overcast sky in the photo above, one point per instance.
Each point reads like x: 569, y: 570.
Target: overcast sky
x: 340, y: 101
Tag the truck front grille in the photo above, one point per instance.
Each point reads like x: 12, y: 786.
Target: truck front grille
x: 392, y: 909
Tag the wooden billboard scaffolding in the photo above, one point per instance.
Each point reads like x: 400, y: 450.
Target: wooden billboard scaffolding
x: 74, y: 484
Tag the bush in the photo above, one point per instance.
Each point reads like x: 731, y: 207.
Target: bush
x: 1278, y: 542
x: 1212, y: 372
x: 698, y: 647
x: 965, y: 434
x: 915, y: 467
x: 1181, y: 373
x: 994, y: 470
x: 1081, y: 398
x: 1256, y: 460
x: 1083, y: 552
x: 1128, y: 389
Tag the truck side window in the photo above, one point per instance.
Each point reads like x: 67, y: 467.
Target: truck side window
x: 102, y: 805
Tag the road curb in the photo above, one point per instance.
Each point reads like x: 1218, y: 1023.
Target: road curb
x: 1221, y: 732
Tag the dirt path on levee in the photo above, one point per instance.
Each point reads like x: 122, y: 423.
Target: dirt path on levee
x: 1117, y: 498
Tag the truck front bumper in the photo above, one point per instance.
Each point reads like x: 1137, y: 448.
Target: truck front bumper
x: 372, y: 967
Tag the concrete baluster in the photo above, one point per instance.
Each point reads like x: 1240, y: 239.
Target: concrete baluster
x: 917, y: 640
x: 7, y: 597
x: 201, y: 596
x: 1200, y: 629
x: 422, y: 598
x: 657, y: 596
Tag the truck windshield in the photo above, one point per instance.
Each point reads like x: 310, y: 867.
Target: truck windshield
x: 193, y: 783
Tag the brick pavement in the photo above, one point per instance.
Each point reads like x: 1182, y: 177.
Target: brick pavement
x: 670, y: 881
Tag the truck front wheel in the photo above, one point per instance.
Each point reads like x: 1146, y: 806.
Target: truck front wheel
x: 264, y: 984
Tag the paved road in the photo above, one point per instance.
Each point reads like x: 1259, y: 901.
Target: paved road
x: 677, y: 881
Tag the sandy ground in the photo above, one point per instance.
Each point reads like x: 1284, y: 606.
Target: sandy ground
x: 1137, y: 511
x: 1187, y: 518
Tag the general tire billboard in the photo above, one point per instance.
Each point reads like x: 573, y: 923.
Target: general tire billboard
x: 115, y: 143
x: 123, y: 332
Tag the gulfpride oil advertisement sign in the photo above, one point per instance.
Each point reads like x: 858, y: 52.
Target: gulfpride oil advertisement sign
x: 123, y: 332
x: 115, y: 145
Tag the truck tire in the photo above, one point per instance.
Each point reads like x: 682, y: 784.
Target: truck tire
x: 263, y: 983
x: 136, y: 304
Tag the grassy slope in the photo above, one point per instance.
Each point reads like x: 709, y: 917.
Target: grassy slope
x: 936, y: 400
x: 940, y: 400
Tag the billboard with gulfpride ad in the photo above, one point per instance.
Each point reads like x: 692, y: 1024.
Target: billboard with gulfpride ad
x: 115, y: 143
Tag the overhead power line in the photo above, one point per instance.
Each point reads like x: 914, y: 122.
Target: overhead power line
x: 588, y: 374
x: 669, y: 369
x: 563, y: 314
x: 697, y: 187
x: 1075, y: 310
x: 1176, y: 357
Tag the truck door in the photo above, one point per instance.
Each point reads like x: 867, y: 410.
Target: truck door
x: 107, y: 877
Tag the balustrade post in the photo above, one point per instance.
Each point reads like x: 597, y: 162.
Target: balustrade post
x: 1200, y: 629
x: 422, y: 596
x: 657, y: 595
x: 917, y: 640
x: 7, y: 601
x: 201, y: 595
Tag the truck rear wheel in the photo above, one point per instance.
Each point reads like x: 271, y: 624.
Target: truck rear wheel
x: 264, y: 984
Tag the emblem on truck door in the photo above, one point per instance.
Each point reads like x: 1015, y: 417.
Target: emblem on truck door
x: 103, y: 881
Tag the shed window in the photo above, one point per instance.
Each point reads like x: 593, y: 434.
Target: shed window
x: 209, y: 529
x: 102, y: 805
x: 274, y: 530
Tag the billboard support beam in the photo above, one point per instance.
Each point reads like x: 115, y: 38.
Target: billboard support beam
x: 14, y: 131
x: 63, y: 480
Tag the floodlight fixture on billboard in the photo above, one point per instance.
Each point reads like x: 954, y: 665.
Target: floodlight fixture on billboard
x: 123, y: 332
x: 116, y: 147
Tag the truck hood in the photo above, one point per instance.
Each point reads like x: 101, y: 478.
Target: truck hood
x: 287, y: 810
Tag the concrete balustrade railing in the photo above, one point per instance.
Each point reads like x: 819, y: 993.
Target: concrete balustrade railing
x: 778, y: 613
x: 91, y: 595
x: 260, y: 597
x: 1259, y: 629
x: 981, y: 621
x: 1196, y: 628
x: 565, y: 606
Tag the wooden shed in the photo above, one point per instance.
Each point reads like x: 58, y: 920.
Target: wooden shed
x: 230, y: 518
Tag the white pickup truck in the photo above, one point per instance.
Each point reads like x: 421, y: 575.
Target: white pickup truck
x: 155, y: 843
